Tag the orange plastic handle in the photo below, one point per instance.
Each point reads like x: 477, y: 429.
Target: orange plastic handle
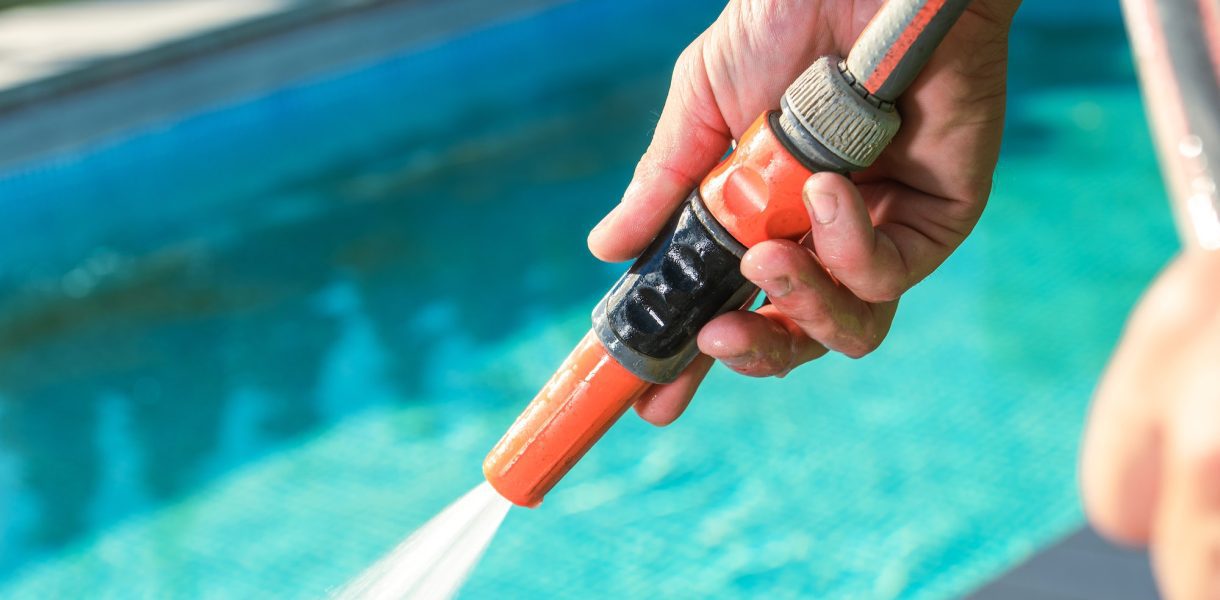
x: 756, y: 191
x: 588, y: 393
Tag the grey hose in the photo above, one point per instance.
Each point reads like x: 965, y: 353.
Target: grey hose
x: 897, y: 43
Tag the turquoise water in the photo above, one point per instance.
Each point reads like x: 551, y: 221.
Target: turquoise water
x: 245, y: 354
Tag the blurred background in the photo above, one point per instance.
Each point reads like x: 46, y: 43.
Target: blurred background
x: 275, y: 275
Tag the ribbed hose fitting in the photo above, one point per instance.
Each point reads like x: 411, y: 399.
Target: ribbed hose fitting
x: 839, y: 115
x: 823, y: 105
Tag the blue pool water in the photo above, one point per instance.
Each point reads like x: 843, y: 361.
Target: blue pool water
x: 243, y: 354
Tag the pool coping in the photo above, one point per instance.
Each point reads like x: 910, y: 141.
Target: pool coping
x: 103, y: 98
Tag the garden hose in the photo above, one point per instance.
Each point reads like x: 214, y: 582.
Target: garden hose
x: 837, y: 116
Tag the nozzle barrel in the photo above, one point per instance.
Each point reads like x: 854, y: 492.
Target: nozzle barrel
x: 588, y: 393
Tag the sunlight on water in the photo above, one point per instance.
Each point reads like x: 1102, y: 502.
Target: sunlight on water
x: 436, y: 560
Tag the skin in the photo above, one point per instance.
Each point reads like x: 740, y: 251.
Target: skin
x: 1150, y: 462
x: 874, y: 235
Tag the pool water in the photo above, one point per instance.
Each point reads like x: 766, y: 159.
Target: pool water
x: 246, y: 353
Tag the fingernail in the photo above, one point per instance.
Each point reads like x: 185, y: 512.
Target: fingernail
x: 776, y: 287
x: 823, y: 206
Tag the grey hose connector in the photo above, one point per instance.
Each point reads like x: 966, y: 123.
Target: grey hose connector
x: 839, y: 115
x: 822, y: 103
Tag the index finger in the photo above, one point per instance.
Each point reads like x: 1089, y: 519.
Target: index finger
x: 690, y: 137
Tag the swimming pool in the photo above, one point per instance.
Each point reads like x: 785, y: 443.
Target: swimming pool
x: 245, y: 352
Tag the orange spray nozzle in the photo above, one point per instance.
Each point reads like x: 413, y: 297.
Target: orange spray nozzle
x: 588, y: 393
x: 837, y: 116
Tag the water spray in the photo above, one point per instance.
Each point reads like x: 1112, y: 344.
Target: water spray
x: 837, y: 116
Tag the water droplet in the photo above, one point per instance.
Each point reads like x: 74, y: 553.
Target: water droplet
x: 1190, y: 146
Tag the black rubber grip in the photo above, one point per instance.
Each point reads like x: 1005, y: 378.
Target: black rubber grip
x: 688, y: 275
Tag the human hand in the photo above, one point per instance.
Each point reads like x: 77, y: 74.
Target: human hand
x: 874, y: 236
x: 1150, y: 462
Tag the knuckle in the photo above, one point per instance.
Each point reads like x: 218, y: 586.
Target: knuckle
x: 887, y: 290
x: 678, y: 176
x: 861, y: 346
x: 808, y: 309
x: 867, y: 278
x: 882, y: 295
x: 977, y: 201
x: 690, y: 57
x: 996, y: 13
x: 869, y: 331
x: 797, y: 263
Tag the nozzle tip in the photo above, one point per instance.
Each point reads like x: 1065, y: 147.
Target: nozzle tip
x: 504, y: 486
x: 588, y: 393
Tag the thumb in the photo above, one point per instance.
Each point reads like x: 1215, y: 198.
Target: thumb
x: 861, y: 257
x: 690, y: 137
